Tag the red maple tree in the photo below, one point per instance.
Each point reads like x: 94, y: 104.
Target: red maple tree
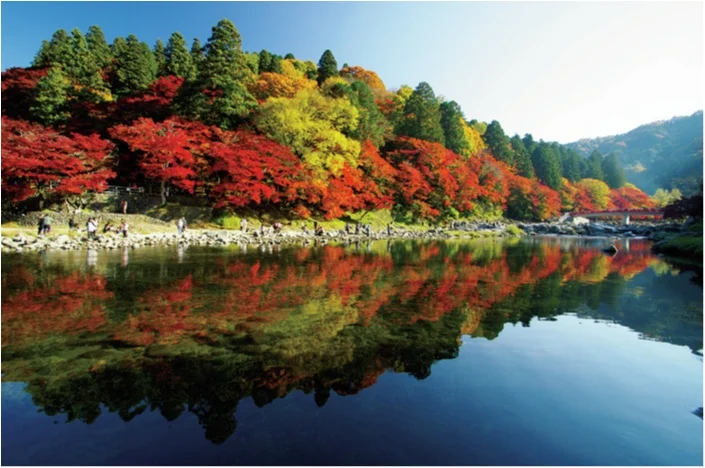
x: 38, y: 161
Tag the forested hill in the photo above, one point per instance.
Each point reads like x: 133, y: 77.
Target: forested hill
x: 254, y: 130
x: 663, y: 154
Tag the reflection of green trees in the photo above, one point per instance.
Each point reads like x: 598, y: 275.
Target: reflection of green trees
x: 200, y: 335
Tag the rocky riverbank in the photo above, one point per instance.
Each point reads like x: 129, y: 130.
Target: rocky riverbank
x: 78, y: 240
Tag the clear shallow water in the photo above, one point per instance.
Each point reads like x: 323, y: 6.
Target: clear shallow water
x: 482, y: 353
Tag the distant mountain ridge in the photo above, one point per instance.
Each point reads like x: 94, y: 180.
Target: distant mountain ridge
x: 663, y: 154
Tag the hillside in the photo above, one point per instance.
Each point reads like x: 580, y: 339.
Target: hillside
x: 667, y: 154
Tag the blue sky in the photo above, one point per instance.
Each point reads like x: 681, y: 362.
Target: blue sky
x: 560, y: 71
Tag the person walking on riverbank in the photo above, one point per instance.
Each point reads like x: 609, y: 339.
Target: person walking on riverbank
x: 40, y: 227
x: 123, y: 206
x: 124, y: 227
x: 180, y: 226
x: 243, y: 225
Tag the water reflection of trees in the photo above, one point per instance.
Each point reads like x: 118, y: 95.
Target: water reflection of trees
x: 201, y: 334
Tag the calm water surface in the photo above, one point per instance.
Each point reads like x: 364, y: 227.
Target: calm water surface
x: 535, y: 352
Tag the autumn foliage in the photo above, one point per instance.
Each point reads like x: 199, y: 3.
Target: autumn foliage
x: 262, y: 131
x: 38, y: 161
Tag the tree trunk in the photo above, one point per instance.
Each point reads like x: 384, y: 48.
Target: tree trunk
x: 162, y: 190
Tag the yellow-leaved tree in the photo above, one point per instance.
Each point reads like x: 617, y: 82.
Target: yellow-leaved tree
x: 285, y: 84
x: 315, y: 128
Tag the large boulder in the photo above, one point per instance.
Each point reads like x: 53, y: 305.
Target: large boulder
x: 579, y: 221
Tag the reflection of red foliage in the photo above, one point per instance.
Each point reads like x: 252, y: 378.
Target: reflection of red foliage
x: 65, y: 305
x: 166, y: 319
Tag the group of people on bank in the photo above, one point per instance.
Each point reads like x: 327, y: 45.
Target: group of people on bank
x: 45, y: 223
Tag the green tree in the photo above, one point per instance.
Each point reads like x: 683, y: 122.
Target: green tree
x: 529, y: 143
x: 453, y: 129
x: 265, y: 61
x: 197, y: 56
x: 98, y: 47
x: 135, y: 67
x: 522, y: 157
x: 56, y: 51
x: 327, y: 67
x: 179, y: 61
x: 613, y: 171
x: 498, y: 143
x: 51, y: 98
x: 43, y: 55
x: 422, y: 116
x: 593, y: 170
x: 252, y: 62
x: 160, y: 57
x: 289, y: 56
x: 219, y: 95
x: 572, y: 165
x: 372, y: 124
x: 547, y: 166
x: 81, y: 67
x: 152, y: 65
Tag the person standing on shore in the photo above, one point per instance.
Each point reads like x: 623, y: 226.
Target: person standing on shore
x: 91, y: 227
x: 180, y: 226
x: 40, y: 227
x: 124, y: 227
x: 47, y: 225
x: 123, y: 206
x: 243, y: 225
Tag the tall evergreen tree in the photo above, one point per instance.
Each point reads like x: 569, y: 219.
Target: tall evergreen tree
x: 453, y: 129
x: 51, y: 98
x: 498, y: 143
x: 219, y: 94
x: 179, y: 61
x: 547, y: 166
x: 529, y: 143
x: 135, y: 67
x: 522, y: 157
x: 594, y: 167
x: 265, y: 61
x: 98, y: 47
x: 571, y: 165
x: 81, y: 67
x: 372, y: 123
x: 422, y: 116
x: 197, y: 55
x: 56, y: 51
x: 327, y: 67
x: 289, y: 56
x: 151, y: 61
x: 276, y: 66
x: 160, y: 57
x: 613, y: 171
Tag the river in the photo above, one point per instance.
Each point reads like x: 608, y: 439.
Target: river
x: 513, y: 352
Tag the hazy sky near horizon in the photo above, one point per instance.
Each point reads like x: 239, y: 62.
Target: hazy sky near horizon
x: 560, y: 71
